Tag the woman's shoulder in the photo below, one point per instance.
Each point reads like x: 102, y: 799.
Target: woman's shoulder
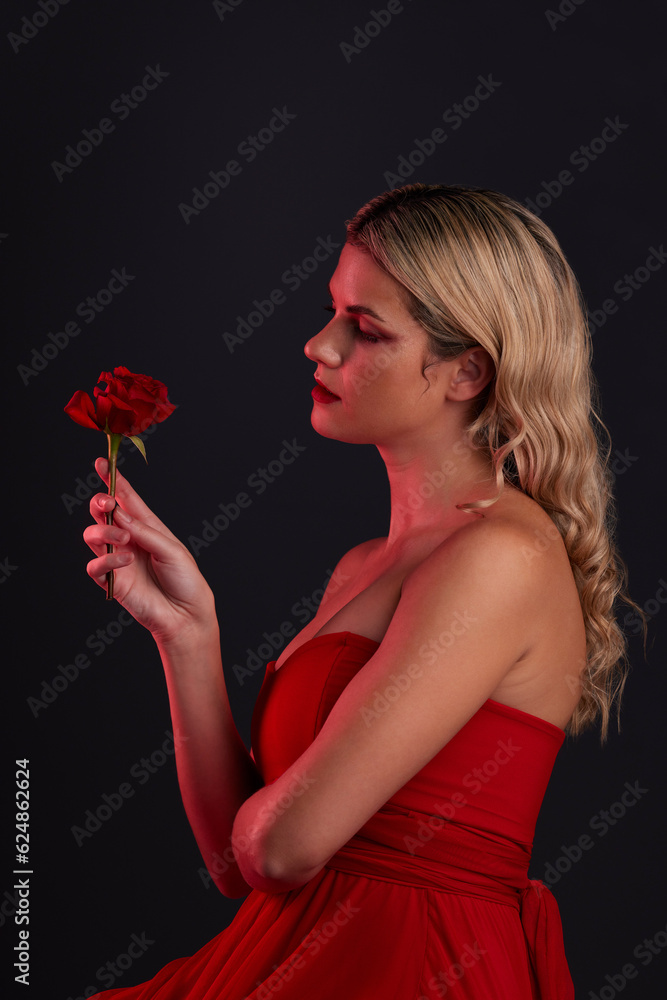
x: 355, y: 557
x: 512, y: 569
x: 349, y: 566
x: 515, y: 517
x: 509, y: 536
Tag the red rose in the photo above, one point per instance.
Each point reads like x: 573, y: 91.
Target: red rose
x: 128, y: 405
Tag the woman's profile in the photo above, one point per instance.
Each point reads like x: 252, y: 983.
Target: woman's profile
x: 382, y: 826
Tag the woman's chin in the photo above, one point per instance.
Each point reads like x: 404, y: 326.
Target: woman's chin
x: 328, y: 429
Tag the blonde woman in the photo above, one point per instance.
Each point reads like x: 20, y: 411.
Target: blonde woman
x: 382, y: 826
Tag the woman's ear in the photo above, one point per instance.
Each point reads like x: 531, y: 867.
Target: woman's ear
x: 472, y: 371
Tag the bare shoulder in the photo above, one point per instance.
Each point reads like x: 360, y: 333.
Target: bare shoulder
x: 513, y: 558
x: 359, y: 552
x: 516, y: 527
x: 349, y: 565
x: 352, y: 561
x: 512, y: 569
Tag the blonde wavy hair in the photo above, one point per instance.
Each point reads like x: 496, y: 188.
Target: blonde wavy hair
x: 480, y: 269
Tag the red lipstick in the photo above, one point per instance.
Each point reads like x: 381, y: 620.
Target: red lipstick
x: 321, y: 394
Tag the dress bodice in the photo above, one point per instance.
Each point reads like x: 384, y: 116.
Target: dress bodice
x: 463, y: 825
x: 493, y: 772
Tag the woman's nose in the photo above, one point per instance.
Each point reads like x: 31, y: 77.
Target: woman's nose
x: 324, y: 347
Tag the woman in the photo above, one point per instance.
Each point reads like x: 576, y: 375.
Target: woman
x: 403, y: 740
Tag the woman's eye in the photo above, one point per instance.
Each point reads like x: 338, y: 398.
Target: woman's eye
x: 368, y: 338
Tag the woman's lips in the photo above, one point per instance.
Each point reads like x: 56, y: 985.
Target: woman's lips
x: 322, y: 395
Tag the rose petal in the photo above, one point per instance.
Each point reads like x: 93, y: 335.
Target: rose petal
x: 82, y: 410
x: 128, y: 402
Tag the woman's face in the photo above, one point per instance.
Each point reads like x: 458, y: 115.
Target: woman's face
x: 370, y: 356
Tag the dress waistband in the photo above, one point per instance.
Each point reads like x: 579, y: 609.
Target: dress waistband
x: 405, y: 849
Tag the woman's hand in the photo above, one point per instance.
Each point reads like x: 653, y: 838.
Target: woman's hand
x: 156, y: 578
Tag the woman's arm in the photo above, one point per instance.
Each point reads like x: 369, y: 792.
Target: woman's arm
x: 466, y: 615
x: 159, y: 583
x: 213, y: 752
x: 216, y: 774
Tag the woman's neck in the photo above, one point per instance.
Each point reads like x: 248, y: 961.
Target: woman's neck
x: 428, y: 482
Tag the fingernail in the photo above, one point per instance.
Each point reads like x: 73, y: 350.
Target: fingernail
x: 122, y: 516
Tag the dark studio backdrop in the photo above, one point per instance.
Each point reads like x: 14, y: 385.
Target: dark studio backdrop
x: 179, y: 179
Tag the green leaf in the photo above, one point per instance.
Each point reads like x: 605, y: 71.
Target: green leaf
x: 138, y: 443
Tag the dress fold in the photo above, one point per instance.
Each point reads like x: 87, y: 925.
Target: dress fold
x: 431, y: 897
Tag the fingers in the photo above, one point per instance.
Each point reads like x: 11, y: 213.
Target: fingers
x: 166, y: 552
x: 98, y: 568
x: 160, y: 544
x: 128, y: 530
x: 98, y: 536
x: 126, y: 497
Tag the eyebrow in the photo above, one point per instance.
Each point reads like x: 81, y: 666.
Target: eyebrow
x: 361, y: 310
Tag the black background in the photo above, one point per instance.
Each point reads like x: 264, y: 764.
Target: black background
x: 557, y: 79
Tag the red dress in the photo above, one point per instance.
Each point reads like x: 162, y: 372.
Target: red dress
x: 429, y: 899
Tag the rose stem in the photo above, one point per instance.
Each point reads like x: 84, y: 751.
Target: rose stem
x: 114, y: 441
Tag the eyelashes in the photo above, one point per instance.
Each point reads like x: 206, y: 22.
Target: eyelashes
x: 368, y: 338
